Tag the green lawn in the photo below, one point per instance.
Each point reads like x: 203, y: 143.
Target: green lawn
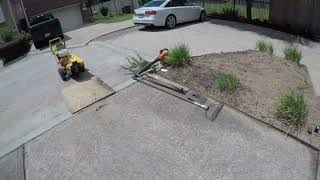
x: 112, y: 19
x: 257, y: 12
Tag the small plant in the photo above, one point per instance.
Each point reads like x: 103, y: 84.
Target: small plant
x: 104, y: 11
x: 7, y: 34
x: 178, y: 56
x: 293, y: 53
x: 136, y: 63
x: 227, y: 82
x: 264, y: 46
x: 292, y: 109
x: 24, y: 36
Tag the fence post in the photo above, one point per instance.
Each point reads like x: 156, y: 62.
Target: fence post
x: 249, y: 14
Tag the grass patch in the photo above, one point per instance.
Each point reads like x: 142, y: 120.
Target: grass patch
x: 292, y: 109
x: 265, y: 47
x: 178, y: 56
x: 226, y: 82
x: 112, y: 18
x: 293, y: 53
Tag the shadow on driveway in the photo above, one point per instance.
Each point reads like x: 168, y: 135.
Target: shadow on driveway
x: 160, y: 29
x: 85, y: 76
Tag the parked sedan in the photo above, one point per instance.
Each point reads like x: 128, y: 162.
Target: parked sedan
x: 168, y: 13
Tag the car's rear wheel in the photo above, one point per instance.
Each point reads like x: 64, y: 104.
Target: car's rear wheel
x: 203, y: 16
x: 171, y: 22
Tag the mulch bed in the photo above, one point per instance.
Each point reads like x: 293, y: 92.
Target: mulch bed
x: 263, y: 78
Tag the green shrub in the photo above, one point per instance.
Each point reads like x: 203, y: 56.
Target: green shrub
x: 7, y: 34
x: 104, y: 11
x: 135, y: 63
x: 292, y: 109
x: 178, y: 56
x: 24, y: 36
x: 293, y: 53
x: 227, y: 82
x: 264, y: 46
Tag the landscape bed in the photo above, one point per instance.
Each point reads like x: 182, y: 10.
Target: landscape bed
x: 262, y: 79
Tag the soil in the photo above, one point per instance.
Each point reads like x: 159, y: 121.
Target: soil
x: 263, y: 78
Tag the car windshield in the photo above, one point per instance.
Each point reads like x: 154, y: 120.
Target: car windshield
x: 154, y: 4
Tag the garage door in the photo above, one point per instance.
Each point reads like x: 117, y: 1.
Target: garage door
x: 70, y: 17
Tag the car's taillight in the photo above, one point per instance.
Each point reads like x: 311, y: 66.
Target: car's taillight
x: 151, y: 12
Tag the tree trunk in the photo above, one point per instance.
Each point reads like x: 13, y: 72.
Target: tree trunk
x: 249, y: 13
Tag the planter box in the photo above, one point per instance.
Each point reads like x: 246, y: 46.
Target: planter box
x: 14, y: 49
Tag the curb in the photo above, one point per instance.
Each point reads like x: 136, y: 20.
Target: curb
x: 88, y: 42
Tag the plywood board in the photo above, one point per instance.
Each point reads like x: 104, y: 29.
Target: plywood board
x: 82, y: 94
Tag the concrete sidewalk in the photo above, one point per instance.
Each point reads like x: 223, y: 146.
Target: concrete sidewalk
x: 143, y: 133
x: 84, y: 35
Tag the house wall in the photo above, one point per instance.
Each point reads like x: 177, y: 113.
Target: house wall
x: 298, y: 15
x: 2, y: 17
x: 7, y: 15
x: 35, y: 7
x: 115, y: 6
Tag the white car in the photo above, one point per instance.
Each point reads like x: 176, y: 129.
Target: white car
x: 168, y: 13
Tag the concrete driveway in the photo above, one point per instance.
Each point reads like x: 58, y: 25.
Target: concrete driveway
x: 31, y: 100
x: 217, y: 36
x: 143, y: 133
